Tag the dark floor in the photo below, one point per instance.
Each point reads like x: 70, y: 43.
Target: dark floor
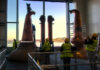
x: 16, y: 66
x: 23, y: 66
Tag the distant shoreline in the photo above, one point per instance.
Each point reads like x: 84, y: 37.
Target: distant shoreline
x: 55, y: 40
x: 10, y: 43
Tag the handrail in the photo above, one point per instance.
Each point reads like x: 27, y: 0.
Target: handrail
x: 3, y: 51
x: 33, y: 54
x: 34, y: 63
x: 72, y: 64
x: 52, y: 52
x: 2, y: 58
x: 2, y: 64
x: 58, y: 52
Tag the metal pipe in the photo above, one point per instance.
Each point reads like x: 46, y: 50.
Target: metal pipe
x: 44, y: 7
x: 43, y: 33
x: 68, y: 20
x: 50, y: 22
x: 6, y: 24
x: 17, y: 20
x: 42, y: 19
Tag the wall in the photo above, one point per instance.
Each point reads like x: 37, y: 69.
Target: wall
x: 94, y: 16
x: 3, y: 31
x: 90, y: 15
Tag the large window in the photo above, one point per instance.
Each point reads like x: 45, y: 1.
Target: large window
x: 56, y: 9
x: 11, y: 22
x: 11, y: 33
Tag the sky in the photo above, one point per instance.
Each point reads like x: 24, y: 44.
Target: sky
x: 57, y: 10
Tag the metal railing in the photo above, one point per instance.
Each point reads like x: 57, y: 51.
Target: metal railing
x: 56, y: 63
x: 32, y: 64
x: 2, y: 58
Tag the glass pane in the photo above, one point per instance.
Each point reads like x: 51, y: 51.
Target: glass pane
x: 11, y: 11
x: 11, y: 34
x: 58, y: 11
x: 72, y: 6
x: 38, y: 8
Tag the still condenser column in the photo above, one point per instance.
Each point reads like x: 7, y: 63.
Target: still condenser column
x: 78, y: 40
x: 42, y: 19
x: 27, y: 44
x: 50, y: 20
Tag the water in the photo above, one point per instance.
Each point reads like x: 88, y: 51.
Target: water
x: 10, y: 43
x: 56, y: 44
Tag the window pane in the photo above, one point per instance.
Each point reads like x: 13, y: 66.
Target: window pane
x: 11, y: 14
x: 38, y: 8
x: 72, y: 6
x: 58, y: 11
x: 11, y: 34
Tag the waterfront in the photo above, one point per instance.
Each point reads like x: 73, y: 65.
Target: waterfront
x: 10, y: 44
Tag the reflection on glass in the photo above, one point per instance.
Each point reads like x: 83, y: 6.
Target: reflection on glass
x: 11, y: 34
x: 72, y: 6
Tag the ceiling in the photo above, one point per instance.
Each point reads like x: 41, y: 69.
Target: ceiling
x: 52, y: 0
